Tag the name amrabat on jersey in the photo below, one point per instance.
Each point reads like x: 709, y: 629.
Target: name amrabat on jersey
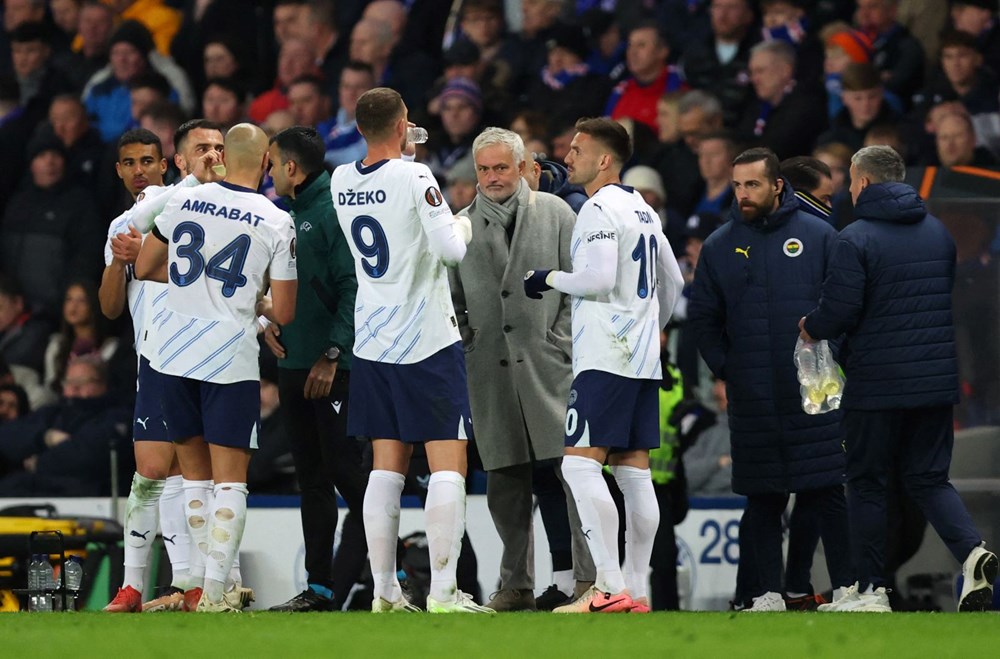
x: 228, y: 212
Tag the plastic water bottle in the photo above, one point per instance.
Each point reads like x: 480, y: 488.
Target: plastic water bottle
x: 808, y: 375
x: 35, y: 583
x: 831, y: 382
x: 48, y: 581
x: 416, y: 135
x: 74, y: 579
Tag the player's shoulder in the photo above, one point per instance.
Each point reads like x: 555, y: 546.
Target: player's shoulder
x: 151, y: 192
x: 120, y: 223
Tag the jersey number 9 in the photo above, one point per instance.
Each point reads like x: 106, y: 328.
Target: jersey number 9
x: 226, y: 266
x: 372, y: 244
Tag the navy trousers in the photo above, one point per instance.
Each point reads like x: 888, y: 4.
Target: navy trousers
x: 917, y: 443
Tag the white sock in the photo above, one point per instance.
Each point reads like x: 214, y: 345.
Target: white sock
x: 198, y: 501
x: 642, y: 517
x: 235, y: 579
x: 445, y: 512
x: 598, y: 519
x: 229, y: 517
x: 381, y: 517
x: 141, y: 513
x: 173, y: 529
x: 564, y: 581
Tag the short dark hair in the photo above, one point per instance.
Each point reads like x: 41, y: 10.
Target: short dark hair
x: 958, y: 39
x: 378, y: 109
x: 29, y: 32
x: 311, y: 79
x: 10, y: 288
x: 231, y: 85
x: 860, y: 76
x: 772, y: 168
x: 805, y: 173
x: 23, y: 405
x: 649, y: 24
x: 610, y: 133
x: 723, y: 136
x: 151, y: 80
x: 139, y: 136
x: 164, y: 111
x: 303, y: 145
x: 360, y: 67
x: 182, y: 132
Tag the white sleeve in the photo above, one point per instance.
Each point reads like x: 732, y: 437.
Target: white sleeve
x: 598, y: 272
x: 108, y: 256
x: 669, y: 282
x: 447, y: 245
x: 162, y: 220
x: 282, y: 266
x: 427, y: 199
x: 148, y: 207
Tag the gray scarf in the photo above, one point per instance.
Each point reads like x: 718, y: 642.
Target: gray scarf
x: 502, y: 214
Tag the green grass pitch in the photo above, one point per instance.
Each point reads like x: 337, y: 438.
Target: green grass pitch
x: 521, y: 635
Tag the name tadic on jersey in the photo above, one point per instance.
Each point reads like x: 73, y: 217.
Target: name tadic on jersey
x: 145, y: 298
x: 222, y: 240
x: 404, y: 312
x: 619, y: 333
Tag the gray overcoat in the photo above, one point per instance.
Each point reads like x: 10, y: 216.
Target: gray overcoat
x: 517, y: 350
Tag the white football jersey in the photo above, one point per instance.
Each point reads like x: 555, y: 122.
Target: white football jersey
x: 404, y: 312
x: 222, y: 240
x: 145, y: 298
x: 620, y: 332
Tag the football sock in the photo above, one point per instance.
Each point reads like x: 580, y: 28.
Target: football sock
x: 235, y: 579
x: 197, y: 506
x: 381, y: 517
x: 141, y: 513
x: 598, y: 519
x: 445, y: 512
x: 229, y: 517
x: 564, y: 581
x: 174, y: 530
x: 642, y: 517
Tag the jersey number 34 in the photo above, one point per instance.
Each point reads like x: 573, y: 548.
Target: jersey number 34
x: 226, y: 266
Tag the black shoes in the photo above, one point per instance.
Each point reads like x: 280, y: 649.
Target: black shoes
x: 305, y: 602
x: 551, y: 598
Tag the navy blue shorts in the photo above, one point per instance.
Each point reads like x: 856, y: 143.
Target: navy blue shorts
x: 224, y: 414
x: 612, y: 411
x: 149, y: 424
x: 413, y: 403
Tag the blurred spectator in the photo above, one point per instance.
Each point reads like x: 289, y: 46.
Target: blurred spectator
x: 65, y: 448
x: 650, y: 77
x: 162, y: 21
x: 309, y: 101
x: 341, y: 137
x: 143, y: 90
x: 864, y: 106
x: 163, y: 120
x: 926, y: 20
x: 531, y: 126
x: 51, y: 232
x: 13, y: 402
x: 786, y: 20
x: 84, y: 149
x: 91, y: 45
x: 708, y: 463
x: 888, y: 135
x: 899, y: 58
x: 715, y: 165
x: 14, y: 133
x: 482, y: 23
x: 648, y: 183
x: 82, y: 331
x: 565, y: 88
x: 607, y: 48
x: 66, y: 18
x: 224, y: 102
x: 785, y: 117
x: 37, y: 78
x: 225, y: 56
x: 461, y: 180
x: 15, y: 13
x: 979, y: 18
x: 844, y: 46
x: 698, y: 113
x: 962, y: 77
x: 538, y: 20
x: 718, y: 64
x: 290, y: 19
x: 676, y: 164
x: 409, y: 71
x: 813, y: 184
x: 107, y: 95
x: 463, y: 60
x: 560, y: 137
x: 956, y: 144
x: 324, y: 38
x: 461, y: 111
x: 295, y: 59
x: 23, y: 333
x: 277, y: 121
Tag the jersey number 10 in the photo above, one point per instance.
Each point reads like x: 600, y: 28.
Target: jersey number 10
x: 647, y: 274
x: 226, y: 266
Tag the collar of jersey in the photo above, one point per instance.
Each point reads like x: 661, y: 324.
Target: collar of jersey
x: 627, y: 188
x: 370, y: 168
x: 233, y: 186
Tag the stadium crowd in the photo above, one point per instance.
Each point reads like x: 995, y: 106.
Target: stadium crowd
x: 694, y: 82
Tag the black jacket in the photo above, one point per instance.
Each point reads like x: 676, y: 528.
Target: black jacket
x: 729, y: 82
x: 753, y: 283
x: 792, y: 126
x: 889, y: 290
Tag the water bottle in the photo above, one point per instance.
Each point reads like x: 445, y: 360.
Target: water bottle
x: 416, y: 135
x: 74, y: 579
x: 807, y: 372
x: 35, y: 583
x: 48, y: 581
x: 832, y: 383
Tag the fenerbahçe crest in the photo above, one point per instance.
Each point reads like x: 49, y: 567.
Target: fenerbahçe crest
x: 792, y: 247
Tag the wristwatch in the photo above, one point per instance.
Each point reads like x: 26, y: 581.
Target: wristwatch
x: 332, y: 353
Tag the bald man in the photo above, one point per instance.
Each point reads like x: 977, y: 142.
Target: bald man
x: 216, y: 246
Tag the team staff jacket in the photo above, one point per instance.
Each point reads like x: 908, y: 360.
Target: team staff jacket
x: 324, y: 308
x: 753, y: 283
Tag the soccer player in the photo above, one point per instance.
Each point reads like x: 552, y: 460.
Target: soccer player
x: 216, y: 245
x: 408, y: 381
x: 624, y: 284
x: 156, y: 497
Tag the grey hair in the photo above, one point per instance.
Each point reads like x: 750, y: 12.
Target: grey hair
x: 880, y: 163
x: 507, y: 138
x: 780, y: 49
x: 698, y: 99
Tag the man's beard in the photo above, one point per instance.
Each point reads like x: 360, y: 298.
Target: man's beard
x: 751, y: 211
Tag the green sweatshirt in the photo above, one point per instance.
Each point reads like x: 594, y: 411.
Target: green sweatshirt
x: 324, y: 309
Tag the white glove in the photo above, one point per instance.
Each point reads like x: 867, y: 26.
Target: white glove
x: 463, y: 227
